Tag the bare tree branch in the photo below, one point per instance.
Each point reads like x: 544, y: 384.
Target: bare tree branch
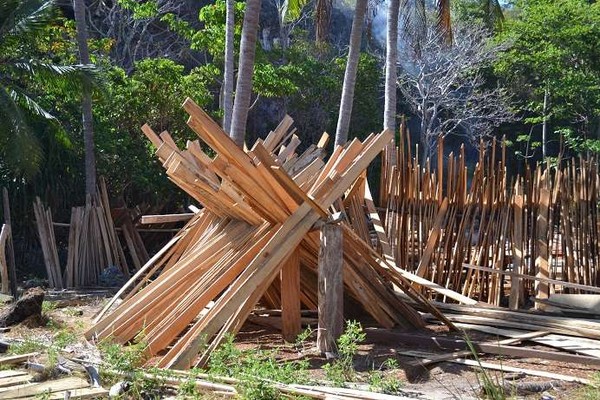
x: 444, y: 85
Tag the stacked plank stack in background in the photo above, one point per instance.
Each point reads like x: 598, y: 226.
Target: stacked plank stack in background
x: 93, y: 243
x: 478, y: 232
x: 43, y: 217
x: 254, y: 241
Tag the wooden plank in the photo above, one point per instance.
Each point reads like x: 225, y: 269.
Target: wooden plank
x: 9, y: 360
x: 587, y: 288
x: 166, y: 218
x: 10, y: 247
x: 45, y: 387
x: 83, y: 393
x: 11, y: 372
x: 331, y: 288
x: 542, y: 289
x: 290, y: 298
x: 15, y: 380
x: 517, y: 248
x: 588, y: 347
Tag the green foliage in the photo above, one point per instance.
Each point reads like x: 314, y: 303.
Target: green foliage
x: 211, y: 37
x: 342, y: 369
x: 553, y: 46
x: 123, y: 358
x: 491, y: 386
x: 48, y: 306
x: 257, y: 370
x: 151, y: 94
x: 25, y: 75
x: 380, y: 381
x: 29, y: 344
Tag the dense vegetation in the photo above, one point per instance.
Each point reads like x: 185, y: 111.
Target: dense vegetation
x: 148, y: 56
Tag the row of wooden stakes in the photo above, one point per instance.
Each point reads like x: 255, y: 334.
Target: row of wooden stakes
x: 489, y: 236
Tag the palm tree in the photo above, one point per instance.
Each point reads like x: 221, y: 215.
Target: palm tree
x: 343, y: 125
x: 243, y: 89
x: 86, y: 100
x: 391, y: 72
x: 228, y: 73
x: 20, y: 22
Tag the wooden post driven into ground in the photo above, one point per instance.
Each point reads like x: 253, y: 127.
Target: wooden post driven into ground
x: 331, y: 287
x: 10, y: 250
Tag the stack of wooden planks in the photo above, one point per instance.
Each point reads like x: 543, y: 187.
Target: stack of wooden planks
x: 43, y: 217
x: 490, y: 237
x: 254, y: 241
x: 93, y: 243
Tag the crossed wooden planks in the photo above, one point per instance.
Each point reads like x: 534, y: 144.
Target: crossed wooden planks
x: 257, y: 219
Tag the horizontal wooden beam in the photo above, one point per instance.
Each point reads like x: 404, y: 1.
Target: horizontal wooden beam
x: 166, y: 218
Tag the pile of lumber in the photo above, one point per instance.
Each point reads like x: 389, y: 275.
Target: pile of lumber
x: 255, y: 240
x: 43, y: 218
x: 93, y: 243
x: 488, y: 236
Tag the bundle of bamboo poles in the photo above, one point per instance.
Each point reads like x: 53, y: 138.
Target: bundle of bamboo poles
x: 492, y: 238
x: 253, y: 242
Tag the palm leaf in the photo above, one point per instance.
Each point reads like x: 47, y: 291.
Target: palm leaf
x: 292, y: 9
x: 72, y: 77
x: 21, y: 151
x: 24, y: 16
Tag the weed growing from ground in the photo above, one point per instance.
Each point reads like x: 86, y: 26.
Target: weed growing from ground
x: 48, y: 306
x: 492, y: 387
x: 257, y: 370
x: 125, y: 361
x: 381, y: 382
x: 342, y: 369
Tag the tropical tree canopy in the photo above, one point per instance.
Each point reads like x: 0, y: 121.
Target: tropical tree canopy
x: 23, y: 74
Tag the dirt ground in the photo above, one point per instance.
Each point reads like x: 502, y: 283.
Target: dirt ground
x: 446, y: 380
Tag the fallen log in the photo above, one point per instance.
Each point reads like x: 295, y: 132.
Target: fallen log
x: 29, y: 305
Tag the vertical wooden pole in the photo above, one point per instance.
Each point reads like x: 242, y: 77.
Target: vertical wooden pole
x: 331, y: 288
x: 10, y: 249
x: 290, y: 297
x: 515, y: 282
x: 542, y: 289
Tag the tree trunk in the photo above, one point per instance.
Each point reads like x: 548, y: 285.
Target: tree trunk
x: 243, y: 89
x: 343, y: 125
x: 86, y: 100
x: 228, y: 74
x: 391, y: 73
x: 545, y: 124
x: 322, y: 20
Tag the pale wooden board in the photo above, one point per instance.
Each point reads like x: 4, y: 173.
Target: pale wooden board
x: 83, y: 393
x: 45, y: 387
x: 11, y: 372
x: 15, y: 380
x: 588, y: 347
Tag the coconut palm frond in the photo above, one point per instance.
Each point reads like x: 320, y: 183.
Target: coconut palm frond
x: 73, y: 76
x: 21, y: 150
x: 413, y: 23
x: 28, y: 103
x: 24, y: 16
